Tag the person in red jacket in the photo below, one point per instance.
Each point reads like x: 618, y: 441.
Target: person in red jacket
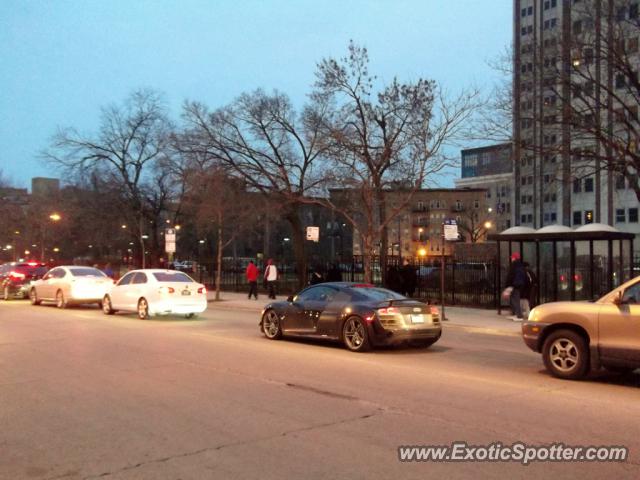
x: 252, y: 278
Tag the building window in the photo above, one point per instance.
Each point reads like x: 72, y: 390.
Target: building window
x: 577, y: 185
x: 577, y: 218
x: 588, y: 216
x: 620, y: 215
x: 620, y: 182
x: 530, y: 10
x: 633, y: 11
x: 620, y: 83
x: 588, y: 184
x: 523, y: 13
x: 633, y: 215
x: 621, y: 14
x: 554, y: 217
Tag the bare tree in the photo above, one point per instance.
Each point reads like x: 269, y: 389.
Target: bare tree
x: 261, y: 139
x: 392, y: 139
x: 126, y: 152
x: 219, y: 205
x: 473, y: 223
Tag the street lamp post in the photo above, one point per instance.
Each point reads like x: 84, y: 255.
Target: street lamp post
x: 54, y: 217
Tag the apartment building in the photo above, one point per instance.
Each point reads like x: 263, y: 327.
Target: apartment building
x: 490, y: 168
x: 566, y: 87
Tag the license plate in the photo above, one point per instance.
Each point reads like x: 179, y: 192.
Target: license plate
x: 417, y: 318
x: 186, y: 292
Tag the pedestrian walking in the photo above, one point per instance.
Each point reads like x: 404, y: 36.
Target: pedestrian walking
x: 334, y: 274
x: 529, y: 291
x: 270, y: 278
x: 409, y: 279
x: 394, y: 279
x: 252, y: 278
x: 316, y: 277
x: 517, y: 280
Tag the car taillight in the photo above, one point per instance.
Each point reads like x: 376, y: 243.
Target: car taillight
x: 16, y: 276
x: 166, y: 290
x: 388, y: 311
x: 202, y: 290
x: 434, y: 310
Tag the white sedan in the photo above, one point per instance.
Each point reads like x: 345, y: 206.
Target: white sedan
x: 156, y: 292
x: 71, y: 284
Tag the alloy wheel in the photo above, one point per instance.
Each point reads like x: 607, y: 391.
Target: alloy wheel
x: 143, y: 309
x: 564, y: 354
x: 271, y: 325
x: 355, y: 335
x: 60, y: 301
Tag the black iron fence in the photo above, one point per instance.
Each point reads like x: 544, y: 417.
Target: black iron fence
x: 467, y: 282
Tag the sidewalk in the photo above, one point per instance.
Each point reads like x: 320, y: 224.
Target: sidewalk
x: 470, y: 319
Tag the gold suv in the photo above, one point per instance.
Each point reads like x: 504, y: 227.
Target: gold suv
x: 576, y: 337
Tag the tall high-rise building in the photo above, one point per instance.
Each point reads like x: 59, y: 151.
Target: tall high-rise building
x: 571, y: 105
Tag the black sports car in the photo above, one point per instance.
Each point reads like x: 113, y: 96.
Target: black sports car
x: 359, y: 315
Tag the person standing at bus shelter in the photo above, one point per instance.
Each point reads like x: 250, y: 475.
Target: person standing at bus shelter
x: 517, y: 280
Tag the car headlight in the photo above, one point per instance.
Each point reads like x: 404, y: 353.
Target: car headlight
x: 533, y: 315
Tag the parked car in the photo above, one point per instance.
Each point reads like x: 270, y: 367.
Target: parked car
x: 576, y: 337
x: 156, y: 292
x: 71, y: 284
x: 359, y: 315
x: 184, y: 266
x: 16, y: 278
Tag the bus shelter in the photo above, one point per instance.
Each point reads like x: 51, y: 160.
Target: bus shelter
x: 570, y: 264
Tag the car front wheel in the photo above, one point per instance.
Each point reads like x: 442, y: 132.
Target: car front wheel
x: 355, y: 335
x: 33, y: 296
x: 61, y: 302
x: 271, y: 325
x: 143, y: 309
x: 107, y: 309
x: 566, y: 355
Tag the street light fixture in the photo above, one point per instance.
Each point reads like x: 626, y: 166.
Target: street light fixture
x: 487, y: 225
x: 123, y: 226
x: 55, y: 217
x: 177, y: 227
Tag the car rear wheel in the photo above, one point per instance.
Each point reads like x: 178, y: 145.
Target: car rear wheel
x: 107, y: 309
x: 61, y: 302
x: 566, y: 355
x: 354, y: 335
x: 33, y: 296
x: 143, y: 309
x: 271, y: 325
x: 191, y: 315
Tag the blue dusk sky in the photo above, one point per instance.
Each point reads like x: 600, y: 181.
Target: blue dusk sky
x: 64, y: 60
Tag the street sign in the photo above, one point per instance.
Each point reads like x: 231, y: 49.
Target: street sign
x: 170, y: 240
x: 313, y: 234
x: 450, y: 228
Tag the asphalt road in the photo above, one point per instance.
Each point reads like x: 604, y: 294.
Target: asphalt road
x: 86, y: 396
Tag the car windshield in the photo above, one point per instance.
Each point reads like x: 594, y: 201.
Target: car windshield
x: 377, y: 294
x: 172, y: 277
x: 33, y: 270
x: 86, y: 272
